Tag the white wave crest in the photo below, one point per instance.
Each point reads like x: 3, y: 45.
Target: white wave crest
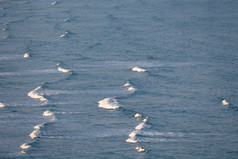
x: 133, y: 134
x: 131, y: 89
x: 138, y: 69
x: 25, y: 146
x: 35, y: 134
x: 63, y: 70
x: 127, y: 84
x: 131, y: 140
x: 108, y: 103
x: 140, y: 126
x: 53, y: 3
x: 33, y: 94
x: 26, y: 55
x: 140, y: 149
x: 2, y: 105
x: 224, y: 102
x: 39, y: 126
x: 137, y: 115
x: 48, y: 113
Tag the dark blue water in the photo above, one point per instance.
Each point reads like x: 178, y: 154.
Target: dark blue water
x: 81, y: 53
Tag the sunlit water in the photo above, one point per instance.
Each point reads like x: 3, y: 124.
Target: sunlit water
x: 118, y: 79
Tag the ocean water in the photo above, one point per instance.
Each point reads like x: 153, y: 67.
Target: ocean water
x: 64, y: 64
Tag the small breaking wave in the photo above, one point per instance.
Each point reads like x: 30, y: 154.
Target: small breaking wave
x: 108, y: 103
x: 35, y: 95
x: 26, y: 55
x: 25, y: 146
x: 224, y: 102
x: 138, y: 69
x: 64, y: 70
x: 48, y: 113
x: 2, y: 105
x: 34, y: 134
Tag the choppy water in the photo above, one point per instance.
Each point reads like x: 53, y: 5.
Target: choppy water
x: 64, y: 64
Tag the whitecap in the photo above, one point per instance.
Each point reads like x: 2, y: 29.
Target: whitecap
x: 127, y: 84
x: 63, y: 35
x: 140, y: 149
x: 2, y: 105
x: 140, y: 126
x: 131, y: 140
x: 224, y: 102
x: 133, y: 134
x: 25, y: 146
x: 145, y: 120
x: 63, y: 70
x: 137, y: 115
x: 23, y: 152
x: 137, y: 69
x: 48, y: 113
x: 39, y: 126
x: 33, y: 94
x: 131, y: 89
x: 26, y: 55
x: 108, y: 103
x: 35, y: 134
x: 53, y: 3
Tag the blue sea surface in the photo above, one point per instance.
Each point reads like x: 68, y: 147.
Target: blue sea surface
x: 68, y: 99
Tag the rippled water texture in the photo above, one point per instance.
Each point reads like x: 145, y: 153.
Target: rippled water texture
x: 134, y: 79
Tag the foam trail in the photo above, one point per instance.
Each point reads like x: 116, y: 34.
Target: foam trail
x: 108, y: 103
x: 25, y: 146
x: 2, y: 105
x: 26, y: 55
x: 224, y: 102
x: 140, y: 149
x: 138, y: 69
x: 127, y: 84
x: 63, y: 70
x: 35, y: 134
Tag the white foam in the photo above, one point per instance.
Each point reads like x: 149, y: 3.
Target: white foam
x: 39, y: 126
x: 108, y: 103
x: 53, y: 3
x: 23, y: 152
x: 63, y: 70
x: 224, y: 102
x: 133, y: 134
x: 33, y: 94
x: 131, y: 89
x: 127, y: 84
x: 35, y: 134
x: 131, y: 140
x: 2, y: 105
x: 140, y: 126
x: 48, y: 113
x: 25, y: 146
x: 165, y: 134
x: 145, y: 120
x: 140, y: 149
x: 26, y: 55
x: 137, y: 69
x: 137, y: 115
x: 63, y: 35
